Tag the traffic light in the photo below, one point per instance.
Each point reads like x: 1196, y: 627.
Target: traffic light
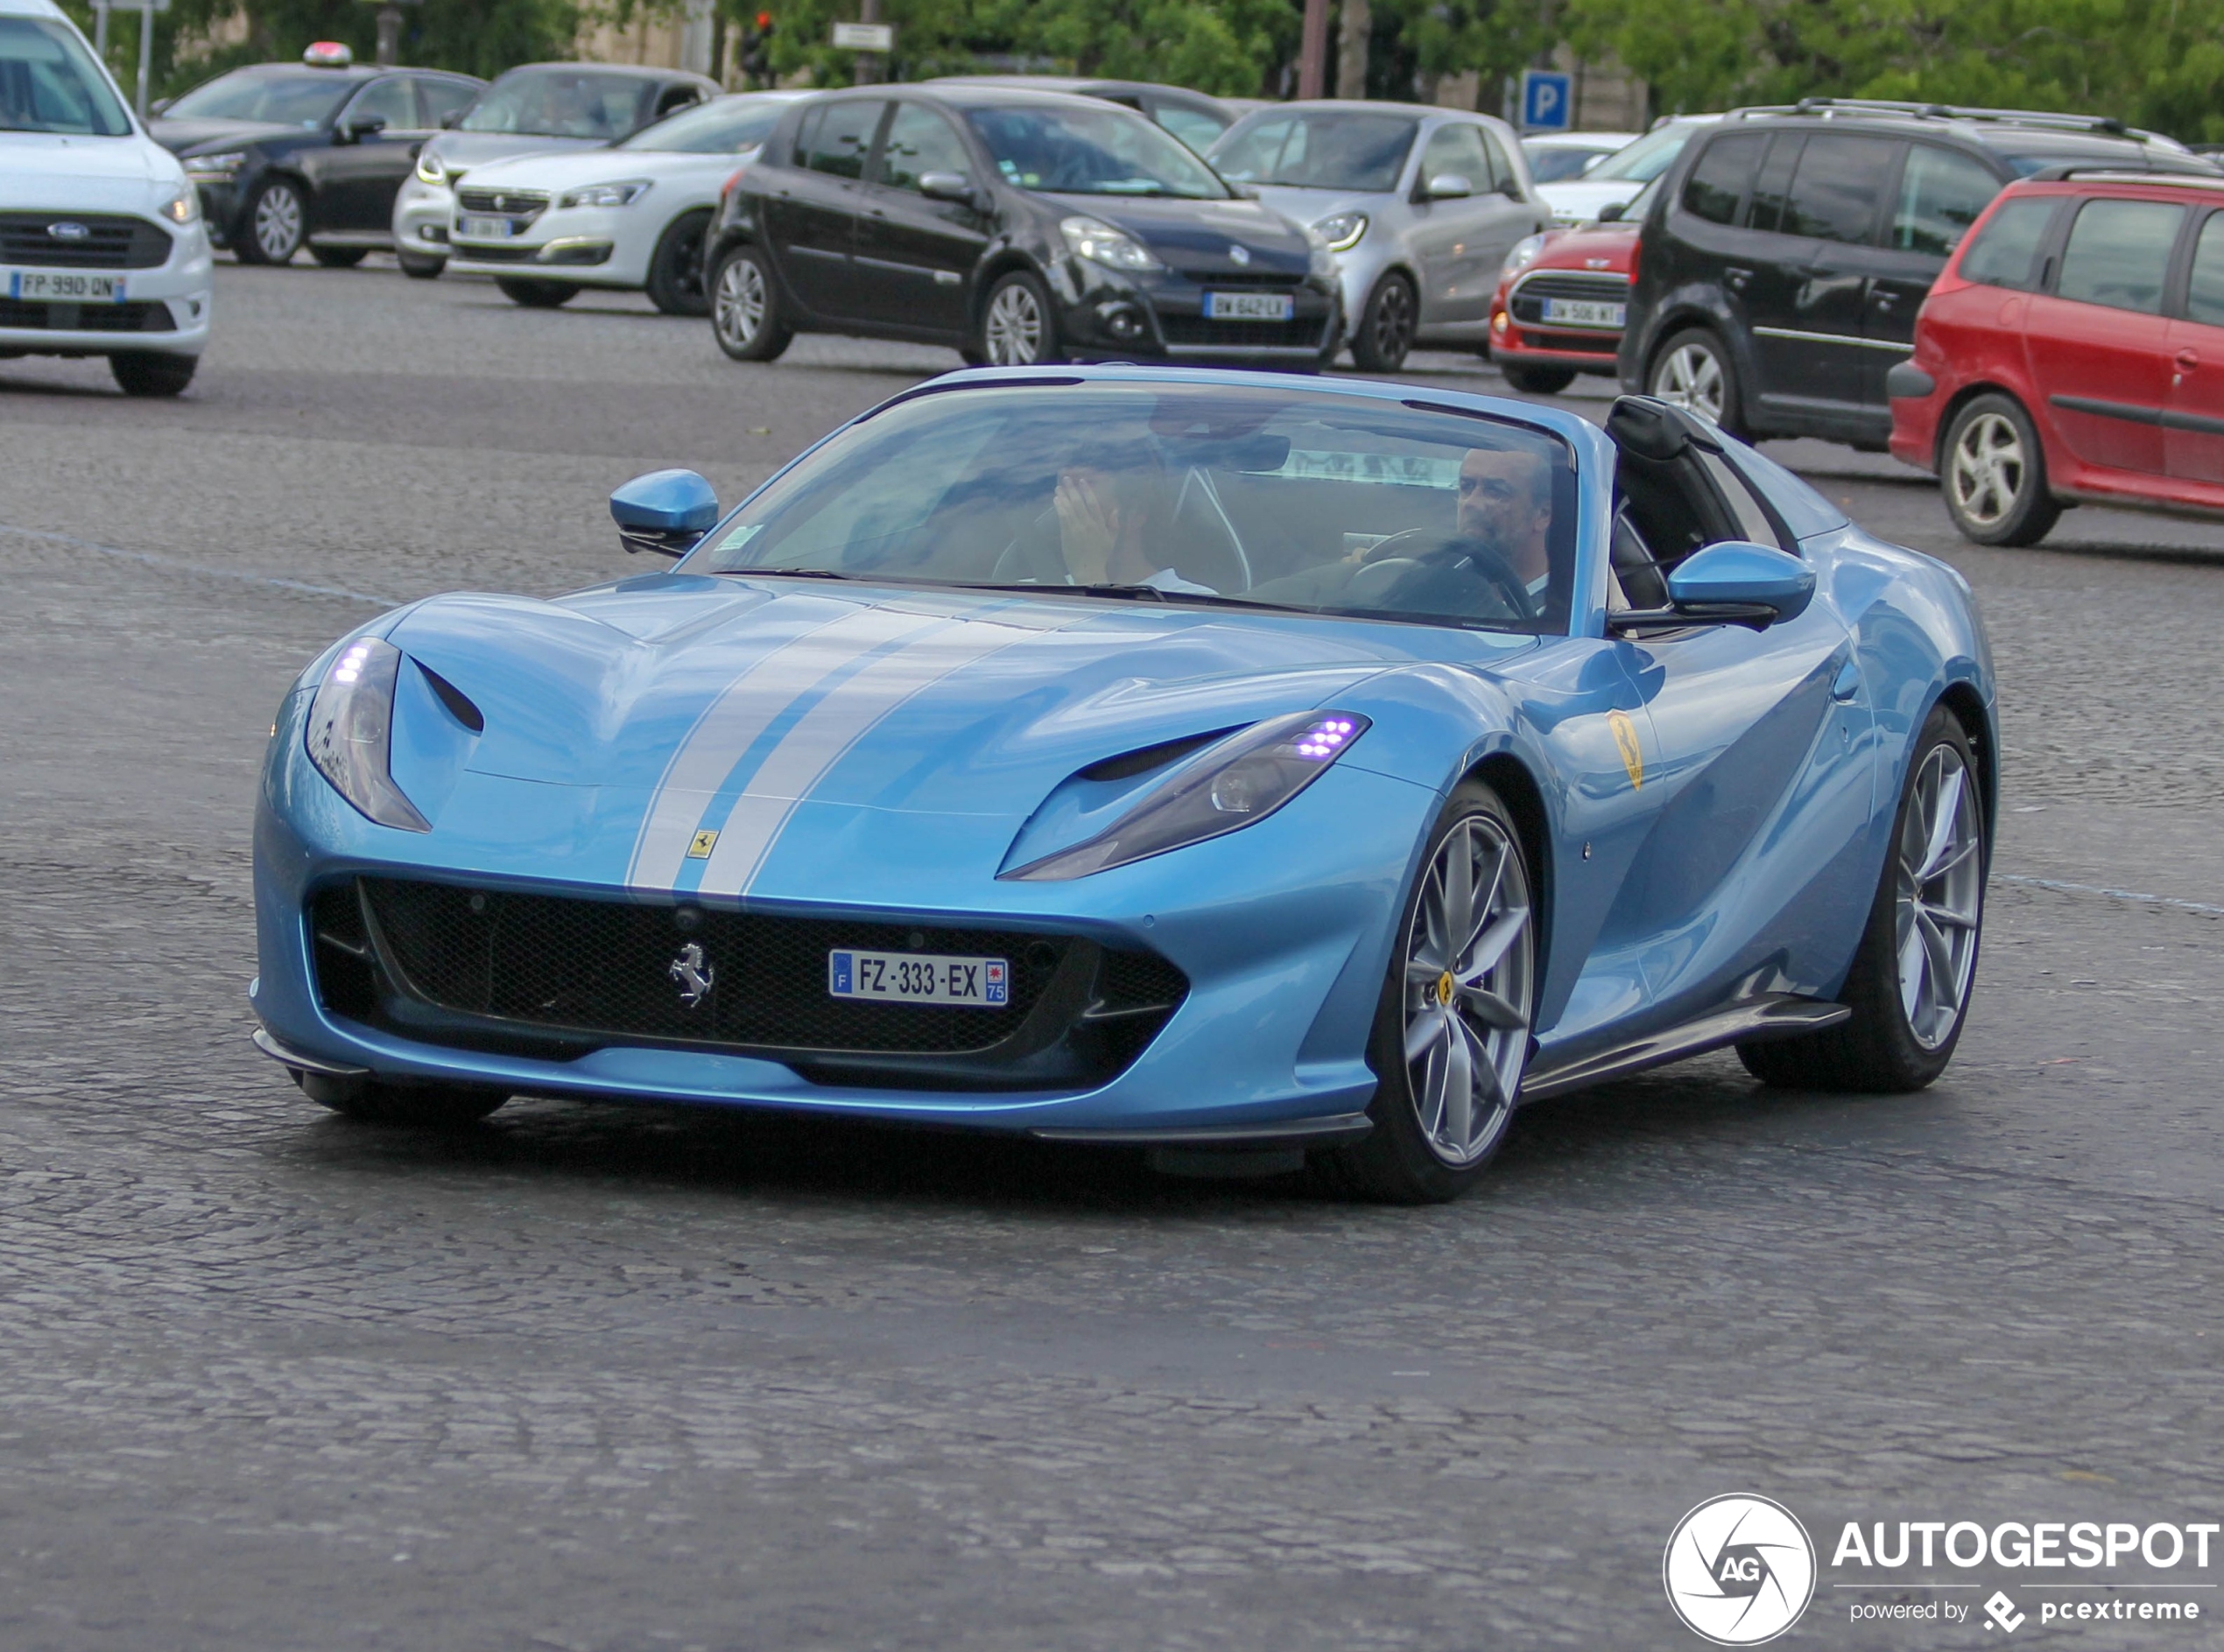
x: 756, y: 49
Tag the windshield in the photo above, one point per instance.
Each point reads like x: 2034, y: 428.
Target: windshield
x: 1558, y: 163
x: 1645, y: 159
x: 298, y: 97
x: 1206, y: 493
x: 725, y: 126
x: 48, y: 83
x: 1091, y: 151
x: 561, y: 102
x: 1322, y: 149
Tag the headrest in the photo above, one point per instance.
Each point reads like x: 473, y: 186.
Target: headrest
x: 1650, y: 428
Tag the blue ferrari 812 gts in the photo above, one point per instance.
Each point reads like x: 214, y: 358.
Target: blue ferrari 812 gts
x: 1256, y: 770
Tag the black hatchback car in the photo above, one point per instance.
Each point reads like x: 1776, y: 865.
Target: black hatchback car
x: 1017, y: 227
x: 288, y: 155
x: 1781, y: 262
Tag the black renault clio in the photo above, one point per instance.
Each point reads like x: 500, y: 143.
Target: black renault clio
x: 1018, y: 227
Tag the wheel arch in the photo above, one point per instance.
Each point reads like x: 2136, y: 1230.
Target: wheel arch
x: 1961, y: 400
x: 995, y: 268
x: 1506, y: 774
x: 1966, y: 708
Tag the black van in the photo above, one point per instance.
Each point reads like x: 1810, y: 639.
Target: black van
x: 1782, y: 260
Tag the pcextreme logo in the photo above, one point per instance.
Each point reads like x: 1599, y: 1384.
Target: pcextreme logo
x: 1739, y: 1571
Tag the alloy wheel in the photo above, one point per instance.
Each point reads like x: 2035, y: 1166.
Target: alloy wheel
x: 1987, y: 469
x: 1393, y: 322
x: 1941, y: 892
x: 1014, y: 331
x: 1467, y: 991
x: 1690, y: 377
x: 277, y: 223
x: 741, y: 302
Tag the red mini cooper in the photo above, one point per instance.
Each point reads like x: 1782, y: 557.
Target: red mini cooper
x: 2073, y: 349
x: 1561, y: 300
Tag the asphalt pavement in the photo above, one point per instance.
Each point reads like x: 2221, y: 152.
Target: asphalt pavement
x: 605, y: 1378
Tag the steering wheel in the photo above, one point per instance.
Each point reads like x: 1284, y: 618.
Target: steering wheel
x: 1429, y: 561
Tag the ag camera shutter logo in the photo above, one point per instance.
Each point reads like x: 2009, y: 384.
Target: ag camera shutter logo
x: 1739, y: 1571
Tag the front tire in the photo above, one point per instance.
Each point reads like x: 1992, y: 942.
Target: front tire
x: 420, y: 269
x: 1017, y: 327
x: 1909, y: 987
x: 676, y: 267
x: 339, y: 257
x: 1993, y: 475
x: 1694, y: 371
x: 537, y: 295
x: 151, y: 373
x: 1536, y: 380
x: 1384, y: 336
x: 277, y: 223
x: 745, y: 308
x: 1451, y: 1033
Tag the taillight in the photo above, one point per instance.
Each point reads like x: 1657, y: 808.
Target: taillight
x: 1636, y: 245
x: 726, y: 188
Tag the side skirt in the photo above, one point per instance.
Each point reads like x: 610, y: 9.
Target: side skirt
x: 1776, y: 1016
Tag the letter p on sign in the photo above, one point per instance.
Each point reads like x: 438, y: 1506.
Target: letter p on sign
x: 1547, y: 101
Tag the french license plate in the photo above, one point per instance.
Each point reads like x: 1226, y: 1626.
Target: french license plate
x: 485, y: 228
x: 1249, y: 306
x: 64, y: 286
x: 1584, y: 311
x: 919, y: 978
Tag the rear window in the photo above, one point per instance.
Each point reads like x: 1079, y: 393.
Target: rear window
x: 2119, y: 254
x: 2005, y: 253
x: 1717, y: 183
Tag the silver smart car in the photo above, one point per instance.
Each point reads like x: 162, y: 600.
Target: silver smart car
x: 1419, y: 206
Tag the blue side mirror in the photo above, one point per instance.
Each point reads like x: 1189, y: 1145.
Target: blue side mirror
x: 665, y: 511
x: 1741, y: 583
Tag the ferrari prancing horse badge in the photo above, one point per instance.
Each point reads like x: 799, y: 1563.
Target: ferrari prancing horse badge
x: 1625, y: 741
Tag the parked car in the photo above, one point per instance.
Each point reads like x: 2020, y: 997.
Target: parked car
x: 630, y: 217
x: 289, y: 155
x: 2072, y: 350
x: 102, y: 247
x: 1172, y: 759
x: 1615, y: 181
x: 1018, y: 227
x: 1560, y: 158
x: 529, y: 110
x: 1192, y: 116
x: 1563, y: 296
x: 1780, y: 263
x: 1420, y: 207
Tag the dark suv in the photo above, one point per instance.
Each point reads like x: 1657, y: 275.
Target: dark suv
x: 1780, y: 267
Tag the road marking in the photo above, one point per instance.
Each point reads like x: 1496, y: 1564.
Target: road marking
x: 2061, y: 888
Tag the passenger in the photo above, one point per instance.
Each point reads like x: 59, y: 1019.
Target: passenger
x: 1112, y: 517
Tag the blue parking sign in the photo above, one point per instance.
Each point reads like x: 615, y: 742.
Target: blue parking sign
x: 1547, y: 101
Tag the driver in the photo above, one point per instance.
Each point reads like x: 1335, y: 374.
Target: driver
x: 1506, y: 507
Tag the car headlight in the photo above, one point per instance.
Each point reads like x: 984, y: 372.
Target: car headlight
x: 1093, y: 239
x: 618, y: 194
x: 184, y: 206
x: 351, y: 730
x: 1523, y: 254
x: 216, y: 166
x: 1242, y: 779
x: 1343, y: 232
x: 431, y: 169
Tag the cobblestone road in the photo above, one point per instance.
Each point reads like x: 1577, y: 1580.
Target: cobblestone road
x: 601, y: 1378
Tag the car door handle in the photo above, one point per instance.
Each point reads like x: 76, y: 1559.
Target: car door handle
x: 2187, y: 361
x: 1736, y: 276
x: 1848, y: 683
x: 1884, y: 297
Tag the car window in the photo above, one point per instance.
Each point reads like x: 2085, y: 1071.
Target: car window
x: 1503, y: 175
x: 1091, y: 149
x: 672, y: 99
x: 1838, y: 187
x: 562, y: 102
x: 1193, y: 126
x: 723, y: 126
x: 305, y: 97
x: 842, y: 136
x: 2118, y: 254
x: 1560, y: 163
x: 920, y: 141
x: 2204, y: 296
x: 1718, y: 182
x: 1325, y: 150
x: 48, y: 82
x: 391, y: 101
x: 2007, y: 248
x: 1942, y: 193
x: 1457, y: 150
x: 439, y: 100
x: 1644, y: 160
x: 1320, y: 503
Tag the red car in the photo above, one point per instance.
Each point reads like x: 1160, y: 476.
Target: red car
x: 2072, y: 350
x: 1559, y: 309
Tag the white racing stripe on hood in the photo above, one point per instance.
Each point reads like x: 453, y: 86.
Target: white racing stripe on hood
x: 734, y: 722
x: 849, y: 711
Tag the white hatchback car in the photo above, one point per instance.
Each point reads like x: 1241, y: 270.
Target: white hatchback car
x: 102, y: 247
x: 629, y: 216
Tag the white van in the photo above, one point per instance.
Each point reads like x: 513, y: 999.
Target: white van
x: 101, y: 247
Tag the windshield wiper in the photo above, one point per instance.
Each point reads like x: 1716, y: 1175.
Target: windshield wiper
x: 794, y: 573
x: 1134, y: 593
